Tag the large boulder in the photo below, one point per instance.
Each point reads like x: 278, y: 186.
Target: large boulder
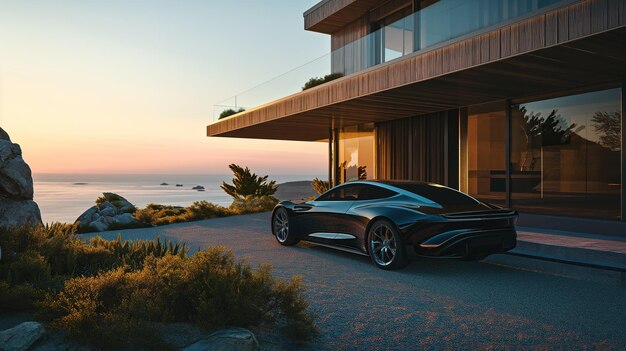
x: 4, y: 135
x: 17, y: 207
x: 21, y: 337
x: 16, y: 180
x: 111, y: 211
x: 232, y: 339
x: 16, y: 213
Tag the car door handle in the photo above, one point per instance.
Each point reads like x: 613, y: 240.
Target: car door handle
x: 302, y: 208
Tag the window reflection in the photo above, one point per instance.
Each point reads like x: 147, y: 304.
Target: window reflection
x: 486, y: 152
x: 565, y: 155
x: 356, y: 153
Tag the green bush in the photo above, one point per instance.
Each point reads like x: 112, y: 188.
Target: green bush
x: 315, y: 81
x: 246, y: 183
x: 160, y: 214
x: 109, y: 293
x: 209, y: 288
x: 230, y: 112
x: 253, y: 204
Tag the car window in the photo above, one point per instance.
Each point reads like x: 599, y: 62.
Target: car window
x: 373, y: 192
x: 439, y: 194
x: 343, y: 193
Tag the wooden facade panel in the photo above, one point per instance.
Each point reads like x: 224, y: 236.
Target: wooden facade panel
x: 332, y: 15
x: 484, y: 42
x: 552, y: 28
x: 599, y: 15
x: 613, y: 12
x: 505, y: 42
x: 563, y: 29
x: 494, y: 45
x: 579, y: 19
x: 537, y: 32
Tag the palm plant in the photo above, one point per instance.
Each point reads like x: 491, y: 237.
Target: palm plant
x: 320, y: 186
x: 246, y: 183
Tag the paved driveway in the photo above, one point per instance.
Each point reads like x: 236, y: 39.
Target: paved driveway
x: 433, y: 304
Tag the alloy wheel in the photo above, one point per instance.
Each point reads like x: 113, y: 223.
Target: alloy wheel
x: 383, y: 244
x: 281, y: 225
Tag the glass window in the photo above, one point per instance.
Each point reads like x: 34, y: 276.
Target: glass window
x: 566, y: 155
x: 439, y: 194
x: 486, y: 152
x: 356, y: 153
x: 343, y: 193
x: 373, y: 192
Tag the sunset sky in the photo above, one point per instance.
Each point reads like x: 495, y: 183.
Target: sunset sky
x: 129, y: 86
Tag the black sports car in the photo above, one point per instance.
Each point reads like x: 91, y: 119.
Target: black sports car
x: 393, y: 220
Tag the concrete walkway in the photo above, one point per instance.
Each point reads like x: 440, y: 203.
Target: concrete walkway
x: 573, y: 240
x: 432, y: 304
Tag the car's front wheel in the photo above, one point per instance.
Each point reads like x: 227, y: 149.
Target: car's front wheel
x: 385, y: 246
x: 280, y: 227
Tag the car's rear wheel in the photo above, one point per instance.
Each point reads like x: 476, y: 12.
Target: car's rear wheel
x: 385, y: 246
x: 280, y: 227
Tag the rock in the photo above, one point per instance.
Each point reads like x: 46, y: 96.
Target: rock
x: 179, y: 185
x: 164, y: 183
x: 86, y: 218
x: 4, y: 135
x: 17, y: 207
x: 232, y: 339
x: 16, y: 213
x: 111, y: 209
x: 99, y: 225
x: 198, y: 187
x: 16, y: 180
x: 107, y: 209
x: 21, y: 337
x: 124, y: 219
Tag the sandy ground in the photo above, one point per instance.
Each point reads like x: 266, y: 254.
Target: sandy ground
x: 432, y: 304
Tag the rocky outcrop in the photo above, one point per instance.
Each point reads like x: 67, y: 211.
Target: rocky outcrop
x: 4, y: 135
x: 17, y: 207
x: 111, y: 212
x: 232, y: 339
x: 21, y: 337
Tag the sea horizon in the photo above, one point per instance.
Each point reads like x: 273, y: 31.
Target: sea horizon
x: 63, y: 197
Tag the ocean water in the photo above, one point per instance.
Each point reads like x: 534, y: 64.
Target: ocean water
x: 62, y: 198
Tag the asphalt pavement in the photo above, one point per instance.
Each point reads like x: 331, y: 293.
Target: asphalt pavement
x: 432, y: 304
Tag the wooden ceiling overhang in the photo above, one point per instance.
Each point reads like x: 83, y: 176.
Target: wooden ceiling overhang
x: 573, y: 47
x: 328, y: 16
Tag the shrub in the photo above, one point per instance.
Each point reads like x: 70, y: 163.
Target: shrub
x: 209, y: 288
x: 320, y: 186
x: 253, y: 204
x: 230, y: 112
x: 246, y: 183
x: 315, y: 81
x: 160, y: 214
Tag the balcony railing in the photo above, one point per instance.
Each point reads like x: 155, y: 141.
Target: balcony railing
x: 433, y: 26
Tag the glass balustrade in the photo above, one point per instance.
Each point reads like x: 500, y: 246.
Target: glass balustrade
x: 437, y: 24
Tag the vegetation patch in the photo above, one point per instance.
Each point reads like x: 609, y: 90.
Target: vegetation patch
x: 251, y: 193
x: 315, y: 81
x: 110, y: 294
x: 229, y: 112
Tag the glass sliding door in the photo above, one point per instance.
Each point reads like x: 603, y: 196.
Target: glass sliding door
x: 566, y: 155
x: 356, y: 153
x: 486, y: 152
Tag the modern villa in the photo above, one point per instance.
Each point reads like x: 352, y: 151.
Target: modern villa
x: 515, y: 102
